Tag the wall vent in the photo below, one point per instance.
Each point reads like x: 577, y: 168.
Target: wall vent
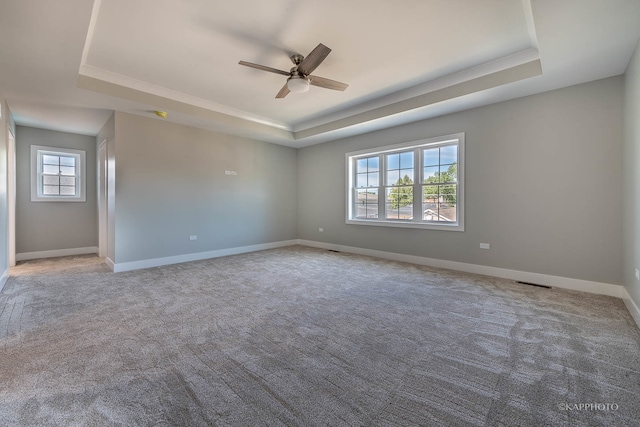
x: 534, y: 284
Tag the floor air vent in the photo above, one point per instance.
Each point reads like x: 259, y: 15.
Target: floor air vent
x: 534, y: 284
x: 331, y: 250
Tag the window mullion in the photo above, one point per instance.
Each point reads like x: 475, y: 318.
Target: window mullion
x: 354, y: 191
x: 382, y: 189
x: 417, y: 185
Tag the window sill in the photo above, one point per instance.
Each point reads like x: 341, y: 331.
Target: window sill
x: 58, y: 199
x: 403, y: 224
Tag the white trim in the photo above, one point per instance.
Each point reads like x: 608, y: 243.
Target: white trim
x: 105, y: 75
x: 95, y: 10
x: 634, y: 310
x: 477, y: 72
x: 3, y: 279
x: 524, y: 276
x: 531, y: 25
x: 542, y: 279
x: 101, y: 181
x: 128, y: 82
x: 25, y: 256
x: 177, y: 259
x: 405, y: 224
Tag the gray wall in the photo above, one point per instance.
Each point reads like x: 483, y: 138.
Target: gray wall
x: 44, y: 226
x: 171, y: 183
x: 5, y: 124
x: 543, y: 186
x: 632, y: 176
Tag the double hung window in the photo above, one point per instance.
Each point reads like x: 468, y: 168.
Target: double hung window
x: 57, y: 174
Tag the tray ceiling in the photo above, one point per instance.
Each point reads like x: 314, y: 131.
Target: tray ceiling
x: 403, y: 61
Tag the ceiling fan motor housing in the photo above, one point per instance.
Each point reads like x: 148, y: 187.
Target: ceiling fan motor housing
x: 297, y: 59
x: 298, y: 83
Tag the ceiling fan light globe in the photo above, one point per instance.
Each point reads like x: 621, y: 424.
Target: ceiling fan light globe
x: 298, y: 84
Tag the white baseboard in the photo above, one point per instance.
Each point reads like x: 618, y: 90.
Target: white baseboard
x: 3, y: 279
x: 110, y: 263
x: 25, y: 256
x: 632, y: 307
x: 157, y: 262
x: 524, y: 276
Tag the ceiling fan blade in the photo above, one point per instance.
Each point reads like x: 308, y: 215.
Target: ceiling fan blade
x: 283, y: 92
x: 314, y: 59
x: 264, y: 68
x: 327, y: 83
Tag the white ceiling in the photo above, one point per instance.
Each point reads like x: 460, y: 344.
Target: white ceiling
x: 65, y: 65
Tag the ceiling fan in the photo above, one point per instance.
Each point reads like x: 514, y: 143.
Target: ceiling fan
x: 299, y: 77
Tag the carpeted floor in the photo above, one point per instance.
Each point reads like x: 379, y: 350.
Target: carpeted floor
x: 305, y: 337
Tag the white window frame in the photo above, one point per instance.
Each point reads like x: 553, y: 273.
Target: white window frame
x: 417, y: 221
x: 37, y: 151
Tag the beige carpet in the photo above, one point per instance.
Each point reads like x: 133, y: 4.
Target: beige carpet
x: 305, y: 337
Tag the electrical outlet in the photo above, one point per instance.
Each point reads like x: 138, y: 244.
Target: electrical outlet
x: 485, y: 246
x: 193, y: 237
x: 321, y: 230
x: 637, y: 274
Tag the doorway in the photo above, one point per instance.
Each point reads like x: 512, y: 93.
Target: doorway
x: 11, y: 195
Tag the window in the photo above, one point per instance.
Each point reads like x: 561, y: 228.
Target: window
x: 57, y: 174
x: 417, y: 184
